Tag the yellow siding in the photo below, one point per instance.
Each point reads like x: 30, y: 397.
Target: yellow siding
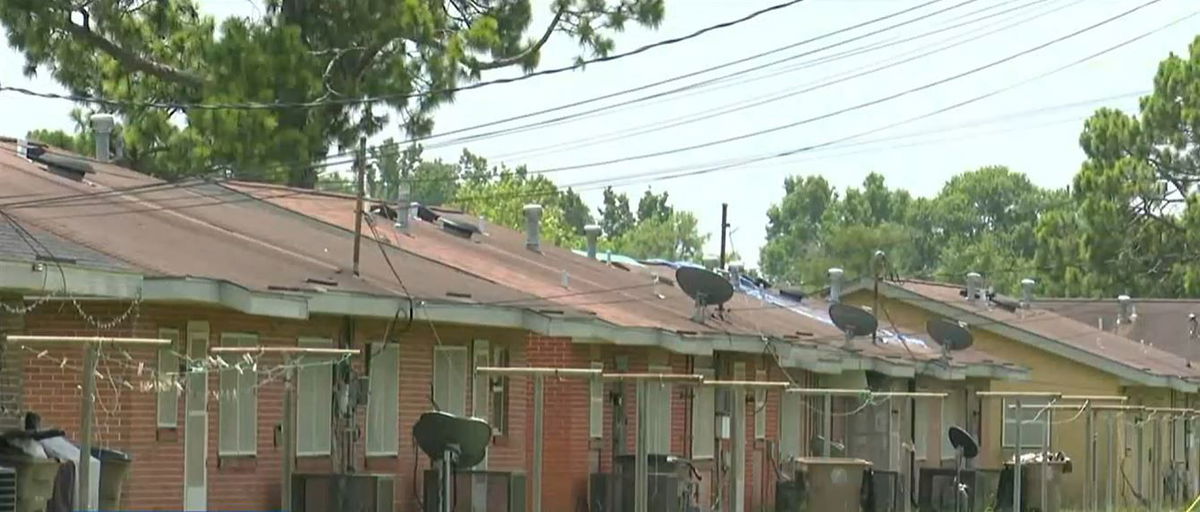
x: 1048, y: 372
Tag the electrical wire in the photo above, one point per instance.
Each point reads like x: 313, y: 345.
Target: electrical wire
x: 370, y: 100
x: 740, y: 106
x: 893, y: 96
x: 329, y: 159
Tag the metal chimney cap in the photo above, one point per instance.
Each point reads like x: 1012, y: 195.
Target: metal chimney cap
x: 836, y: 272
x: 973, y: 275
x: 1028, y: 282
x: 1124, y: 298
x: 532, y: 209
x: 102, y: 123
x: 736, y: 266
x: 591, y: 229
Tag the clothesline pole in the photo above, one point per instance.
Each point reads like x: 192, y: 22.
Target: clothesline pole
x: 88, y: 400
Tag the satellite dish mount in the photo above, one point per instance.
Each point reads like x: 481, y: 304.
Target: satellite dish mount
x: 853, y: 320
x: 453, y: 442
x: 706, y: 288
x: 965, y: 448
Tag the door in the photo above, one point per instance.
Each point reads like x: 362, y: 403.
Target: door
x: 195, y: 428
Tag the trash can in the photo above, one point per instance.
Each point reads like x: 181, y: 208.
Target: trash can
x: 831, y: 484
x: 114, y: 468
x: 35, y: 480
x: 1050, y: 476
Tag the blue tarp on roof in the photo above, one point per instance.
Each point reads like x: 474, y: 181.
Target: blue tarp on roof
x: 608, y: 256
x: 886, y: 336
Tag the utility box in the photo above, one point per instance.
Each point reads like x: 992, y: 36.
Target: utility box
x: 829, y: 484
x: 35, y: 481
x: 114, y: 468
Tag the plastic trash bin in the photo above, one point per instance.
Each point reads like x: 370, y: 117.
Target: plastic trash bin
x: 114, y: 468
x: 35, y: 481
x: 831, y: 484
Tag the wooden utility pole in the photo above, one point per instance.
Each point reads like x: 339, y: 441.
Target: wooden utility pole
x: 88, y: 403
x: 360, y: 172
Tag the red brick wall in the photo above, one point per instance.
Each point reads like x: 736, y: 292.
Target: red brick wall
x: 126, y: 418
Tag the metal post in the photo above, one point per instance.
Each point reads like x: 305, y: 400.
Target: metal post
x: 1113, y: 460
x: 288, y: 434
x: 1045, y: 477
x: 84, y: 471
x: 739, y: 450
x: 360, y: 165
x: 1089, y: 492
x: 1017, y: 458
x: 827, y: 425
x: 538, y: 426
x: 641, y: 469
x: 1140, y: 455
x: 447, y: 480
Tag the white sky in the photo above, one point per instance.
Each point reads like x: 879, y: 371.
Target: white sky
x: 1044, y: 145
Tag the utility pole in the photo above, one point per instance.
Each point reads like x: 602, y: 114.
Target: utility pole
x: 724, y: 228
x: 360, y: 171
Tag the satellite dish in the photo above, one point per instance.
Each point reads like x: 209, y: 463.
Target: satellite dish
x: 853, y: 320
x: 467, y: 438
x: 963, y: 440
x: 949, y: 335
x: 705, y: 287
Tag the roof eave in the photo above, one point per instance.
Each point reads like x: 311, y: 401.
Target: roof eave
x: 1053, y: 346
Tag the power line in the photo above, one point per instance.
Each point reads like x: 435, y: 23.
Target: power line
x: 774, y: 97
x: 394, y: 97
x: 859, y: 106
x: 330, y: 159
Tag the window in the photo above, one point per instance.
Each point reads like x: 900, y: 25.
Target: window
x: 760, y: 407
x: 238, y: 405
x: 791, y: 415
x: 952, y: 416
x: 314, y: 401
x: 383, y: 401
x: 703, y: 417
x: 498, y: 390
x: 168, y: 371
x: 1034, y: 427
x: 596, y: 404
x: 450, y: 379
x: 658, y: 414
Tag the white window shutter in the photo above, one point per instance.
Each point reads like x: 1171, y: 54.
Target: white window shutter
x: 658, y: 401
x: 314, y: 401
x: 596, y: 404
x: 383, y: 401
x: 703, y: 418
x: 481, y: 355
x: 168, y: 372
x: 450, y: 379
x: 760, y: 407
x: 238, y: 403
x: 791, y: 410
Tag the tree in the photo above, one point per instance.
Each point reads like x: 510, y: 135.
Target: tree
x: 501, y: 199
x: 653, y: 206
x: 576, y: 213
x: 674, y: 237
x: 615, y: 216
x: 1136, y: 194
x: 330, y: 53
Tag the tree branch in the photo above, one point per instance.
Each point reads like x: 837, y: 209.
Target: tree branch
x: 533, y: 48
x: 132, y: 60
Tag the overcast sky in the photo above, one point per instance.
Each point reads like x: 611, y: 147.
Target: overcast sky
x: 1033, y: 128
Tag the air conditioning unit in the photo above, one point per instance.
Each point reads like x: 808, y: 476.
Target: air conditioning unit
x: 8, y: 489
x: 670, y: 487
x: 937, y: 489
x: 490, y: 491
x: 332, y: 492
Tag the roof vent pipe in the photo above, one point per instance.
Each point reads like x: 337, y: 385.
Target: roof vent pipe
x: 835, y: 284
x: 592, y: 232
x: 404, y: 208
x: 974, y: 286
x: 1124, y: 310
x: 735, y: 273
x: 102, y: 125
x: 1027, y: 286
x: 533, y: 222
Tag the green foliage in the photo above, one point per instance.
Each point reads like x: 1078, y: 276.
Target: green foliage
x: 615, y: 216
x: 671, y: 236
x: 296, y: 51
x: 501, y: 199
